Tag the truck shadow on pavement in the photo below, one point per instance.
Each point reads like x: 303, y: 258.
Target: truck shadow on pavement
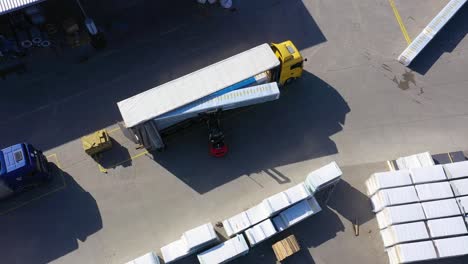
x: 167, y: 41
x: 445, y: 41
x: 295, y: 128
x: 49, y: 227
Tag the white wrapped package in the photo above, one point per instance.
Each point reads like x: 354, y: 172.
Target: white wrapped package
x: 415, y: 161
x: 149, y: 258
x: 298, y: 193
x: 440, y: 208
x: 323, y: 177
x: 434, y: 191
x: 296, y: 213
x: 456, y: 170
x: 190, y: 242
x: 229, y: 250
x: 463, y: 202
x: 246, y: 219
x: 445, y: 227
x: 388, y: 179
x: 260, y: 232
x: 428, y: 174
x: 200, y: 236
x: 282, y: 200
x: 400, y: 214
x: 460, y: 187
x: 398, y: 234
x: 257, y: 214
x: 452, y: 247
x: 174, y: 251
x: 394, y: 196
x: 411, y: 252
x: 277, y: 202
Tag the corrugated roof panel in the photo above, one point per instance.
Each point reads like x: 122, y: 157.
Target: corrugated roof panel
x: 199, y: 84
x: 7, y: 6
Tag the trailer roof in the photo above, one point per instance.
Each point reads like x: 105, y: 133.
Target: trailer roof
x: 7, y: 6
x: 186, y: 89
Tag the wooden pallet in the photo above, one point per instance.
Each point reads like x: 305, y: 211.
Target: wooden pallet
x: 286, y: 247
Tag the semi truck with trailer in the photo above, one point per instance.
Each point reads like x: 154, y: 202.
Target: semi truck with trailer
x: 250, y: 77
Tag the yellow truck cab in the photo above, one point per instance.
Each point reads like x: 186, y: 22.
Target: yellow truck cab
x: 291, y: 61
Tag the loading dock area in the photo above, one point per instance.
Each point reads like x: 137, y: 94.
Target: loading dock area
x: 355, y: 104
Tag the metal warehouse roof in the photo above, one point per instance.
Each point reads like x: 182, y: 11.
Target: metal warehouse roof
x: 7, y: 6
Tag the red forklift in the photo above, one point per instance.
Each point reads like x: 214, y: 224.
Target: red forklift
x: 217, y: 146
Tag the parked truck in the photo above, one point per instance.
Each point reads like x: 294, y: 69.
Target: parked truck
x: 21, y: 166
x: 251, y: 77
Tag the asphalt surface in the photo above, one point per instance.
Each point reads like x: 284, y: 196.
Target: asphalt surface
x: 355, y: 104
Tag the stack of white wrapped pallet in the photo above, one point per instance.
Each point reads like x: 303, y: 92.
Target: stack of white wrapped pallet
x: 421, y: 209
x: 387, y: 179
x: 394, y: 196
x: 323, y: 177
x: 148, y: 258
x: 190, y: 242
x: 260, y: 232
x: 428, y: 250
x: 415, y: 161
x: 296, y: 213
x: 268, y: 207
x: 227, y: 251
x: 429, y: 32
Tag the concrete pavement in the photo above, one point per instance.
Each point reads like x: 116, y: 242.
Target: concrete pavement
x: 356, y: 104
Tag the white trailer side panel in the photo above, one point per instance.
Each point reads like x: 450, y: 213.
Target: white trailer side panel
x: 194, y: 86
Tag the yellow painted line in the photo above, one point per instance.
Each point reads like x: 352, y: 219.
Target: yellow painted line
x: 450, y: 157
x: 390, y: 166
x: 60, y: 167
x: 400, y: 22
x: 102, y: 169
x: 121, y: 162
x: 113, y: 130
x: 64, y: 185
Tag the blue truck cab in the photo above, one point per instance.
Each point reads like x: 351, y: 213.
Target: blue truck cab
x: 21, y: 166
